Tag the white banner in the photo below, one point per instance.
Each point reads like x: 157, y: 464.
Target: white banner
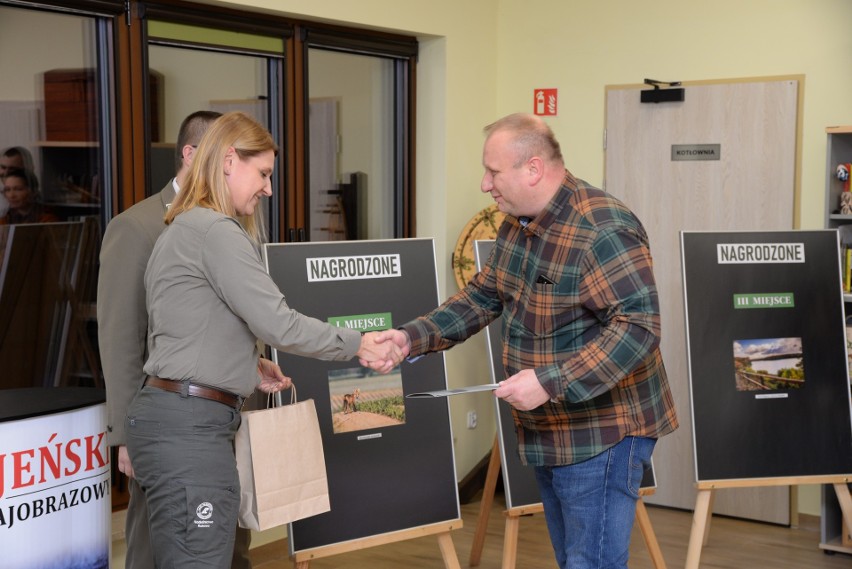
x: 55, y: 506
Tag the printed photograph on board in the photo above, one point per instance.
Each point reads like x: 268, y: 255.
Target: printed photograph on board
x: 362, y: 399
x: 769, y: 364
x: 849, y: 345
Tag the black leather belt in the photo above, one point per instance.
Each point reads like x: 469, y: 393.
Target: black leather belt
x: 195, y: 390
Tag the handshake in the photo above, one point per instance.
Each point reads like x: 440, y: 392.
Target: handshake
x: 383, y: 351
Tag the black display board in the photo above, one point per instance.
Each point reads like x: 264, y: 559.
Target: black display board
x: 769, y: 386
x: 27, y: 402
x: 389, y: 459
x: 39, y: 268
x: 519, y: 483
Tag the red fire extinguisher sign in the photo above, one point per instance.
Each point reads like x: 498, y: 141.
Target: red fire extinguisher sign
x: 544, y: 102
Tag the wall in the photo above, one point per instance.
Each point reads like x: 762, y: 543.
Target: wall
x: 580, y: 47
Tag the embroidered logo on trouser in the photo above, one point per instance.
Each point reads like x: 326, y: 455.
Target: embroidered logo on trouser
x: 204, y: 511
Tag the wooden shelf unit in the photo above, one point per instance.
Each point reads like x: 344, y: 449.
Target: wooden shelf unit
x: 838, y: 151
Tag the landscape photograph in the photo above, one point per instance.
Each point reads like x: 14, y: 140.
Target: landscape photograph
x: 362, y: 399
x: 768, y: 364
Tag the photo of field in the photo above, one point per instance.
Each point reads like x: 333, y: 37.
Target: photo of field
x: 362, y: 399
x: 769, y: 364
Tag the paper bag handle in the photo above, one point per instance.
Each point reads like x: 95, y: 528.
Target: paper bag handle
x: 274, y: 399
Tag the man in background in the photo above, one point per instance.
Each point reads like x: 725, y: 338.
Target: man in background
x: 123, y: 328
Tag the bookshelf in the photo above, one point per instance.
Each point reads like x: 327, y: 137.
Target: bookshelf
x: 838, y: 151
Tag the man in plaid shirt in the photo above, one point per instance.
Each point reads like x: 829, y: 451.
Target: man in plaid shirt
x: 571, y: 276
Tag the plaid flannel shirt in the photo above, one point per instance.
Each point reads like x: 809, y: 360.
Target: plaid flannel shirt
x: 576, y: 292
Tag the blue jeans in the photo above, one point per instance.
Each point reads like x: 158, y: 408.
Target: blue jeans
x: 590, y: 506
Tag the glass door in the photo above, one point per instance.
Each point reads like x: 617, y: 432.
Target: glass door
x: 351, y: 146
x: 55, y: 177
x: 192, y: 69
x: 358, y: 149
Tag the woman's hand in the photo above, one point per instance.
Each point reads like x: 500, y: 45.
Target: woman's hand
x: 272, y: 379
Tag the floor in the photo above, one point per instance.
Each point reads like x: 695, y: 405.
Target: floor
x: 733, y: 544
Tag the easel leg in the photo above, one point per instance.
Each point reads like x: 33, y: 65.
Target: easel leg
x: 510, y: 542
x: 699, y: 523
x: 301, y: 564
x: 709, y: 519
x: 845, y: 500
x: 649, y: 535
x: 448, y: 551
x: 485, y: 505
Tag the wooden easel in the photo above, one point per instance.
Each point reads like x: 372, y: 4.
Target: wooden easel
x: 704, y: 504
x: 302, y: 559
x: 513, y: 516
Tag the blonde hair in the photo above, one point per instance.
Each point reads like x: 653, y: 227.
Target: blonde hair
x: 206, y: 185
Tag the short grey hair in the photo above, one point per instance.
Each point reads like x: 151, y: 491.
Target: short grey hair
x: 530, y: 136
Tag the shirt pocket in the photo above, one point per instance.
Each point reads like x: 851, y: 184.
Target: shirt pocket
x: 548, y: 309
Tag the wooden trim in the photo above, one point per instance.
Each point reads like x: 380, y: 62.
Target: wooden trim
x: 781, y: 481
x: 359, y: 41
x: 299, y: 189
x: 220, y: 17
x: 377, y: 540
x: 91, y: 7
x: 122, y: 193
x: 288, y: 180
x: 797, y: 167
x: 137, y: 150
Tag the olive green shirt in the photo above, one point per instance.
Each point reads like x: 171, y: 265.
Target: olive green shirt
x: 209, y: 299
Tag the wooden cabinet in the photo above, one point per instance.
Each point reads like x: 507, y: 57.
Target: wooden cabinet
x: 70, y: 152
x: 71, y: 108
x: 70, y: 105
x: 834, y: 536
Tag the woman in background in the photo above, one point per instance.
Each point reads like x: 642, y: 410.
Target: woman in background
x: 209, y: 300
x: 20, y: 188
x: 13, y: 157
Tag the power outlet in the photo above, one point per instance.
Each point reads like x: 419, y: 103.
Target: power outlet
x: 471, y: 419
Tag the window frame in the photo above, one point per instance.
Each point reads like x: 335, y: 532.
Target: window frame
x: 402, y: 50
x: 124, y: 126
x: 289, y: 206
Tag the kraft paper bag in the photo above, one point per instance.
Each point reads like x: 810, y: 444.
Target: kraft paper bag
x: 281, y: 465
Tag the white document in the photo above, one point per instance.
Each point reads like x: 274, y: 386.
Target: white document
x: 448, y: 392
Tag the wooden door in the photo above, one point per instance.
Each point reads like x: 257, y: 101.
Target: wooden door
x: 750, y: 184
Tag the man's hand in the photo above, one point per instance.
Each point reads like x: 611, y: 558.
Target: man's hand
x: 272, y: 379
x: 398, y: 337
x: 522, y: 391
x: 124, y: 462
x: 379, y: 354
